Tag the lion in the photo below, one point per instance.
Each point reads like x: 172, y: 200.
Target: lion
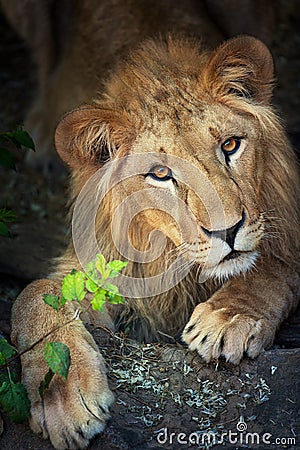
x: 189, y: 139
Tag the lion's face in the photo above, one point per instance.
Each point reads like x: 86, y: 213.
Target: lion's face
x: 208, y: 161
x: 190, y: 151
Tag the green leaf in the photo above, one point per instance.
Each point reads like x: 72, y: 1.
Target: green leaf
x: 73, y: 286
x: 46, y: 381
x: 91, y: 285
x: 57, y: 356
x: 7, y: 215
x: 14, y: 400
x: 4, y: 376
x: 98, y: 300
x: 24, y: 139
x: 100, y: 264
x: 116, y: 267
x: 111, y: 288
x: 106, y: 275
x: 92, y: 272
x: 54, y: 301
x: 113, y: 295
x: 4, y: 231
x: 8, y: 137
x: 19, y: 137
x: 115, y: 299
x: 6, y: 351
x: 7, y: 159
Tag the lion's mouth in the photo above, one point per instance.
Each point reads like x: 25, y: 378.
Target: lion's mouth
x: 235, y: 263
x: 232, y: 255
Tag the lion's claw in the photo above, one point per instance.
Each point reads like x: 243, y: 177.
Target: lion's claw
x: 215, y: 333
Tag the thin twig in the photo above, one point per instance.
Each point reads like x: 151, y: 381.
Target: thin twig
x: 31, y: 347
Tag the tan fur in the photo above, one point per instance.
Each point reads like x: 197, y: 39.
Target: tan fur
x: 131, y: 108
x: 172, y: 98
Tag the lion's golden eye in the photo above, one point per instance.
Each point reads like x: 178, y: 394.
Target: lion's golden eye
x: 231, y: 145
x: 161, y: 173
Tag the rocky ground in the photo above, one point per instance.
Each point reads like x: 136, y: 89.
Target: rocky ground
x: 156, y: 387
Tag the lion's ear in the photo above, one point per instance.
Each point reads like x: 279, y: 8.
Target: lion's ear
x: 242, y: 66
x: 84, y: 137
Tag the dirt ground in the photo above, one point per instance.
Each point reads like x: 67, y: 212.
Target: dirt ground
x: 160, y: 388
x: 157, y: 387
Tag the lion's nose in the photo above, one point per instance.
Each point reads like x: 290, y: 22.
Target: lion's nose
x: 229, y: 234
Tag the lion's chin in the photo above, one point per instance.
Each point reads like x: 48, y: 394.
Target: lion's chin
x: 233, y: 264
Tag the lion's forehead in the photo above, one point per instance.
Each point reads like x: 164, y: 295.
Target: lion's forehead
x: 192, y: 133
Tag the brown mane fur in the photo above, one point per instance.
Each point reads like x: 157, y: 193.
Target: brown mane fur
x: 151, y: 83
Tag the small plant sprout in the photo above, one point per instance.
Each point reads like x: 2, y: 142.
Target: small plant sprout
x: 13, y: 396
x: 17, y: 138
x: 75, y: 287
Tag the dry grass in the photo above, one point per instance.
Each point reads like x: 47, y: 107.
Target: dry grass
x: 164, y: 386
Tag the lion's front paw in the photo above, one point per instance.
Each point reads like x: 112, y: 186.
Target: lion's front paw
x: 221, y: 332
x: 76, y: 409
